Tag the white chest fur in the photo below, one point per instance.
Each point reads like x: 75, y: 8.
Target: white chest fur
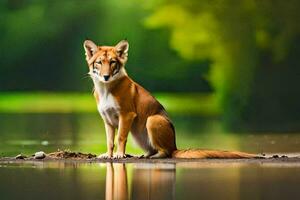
x: 108, y: 108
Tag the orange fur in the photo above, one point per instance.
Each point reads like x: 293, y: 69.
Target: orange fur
x: 126, y: 106
x: 197, y: 153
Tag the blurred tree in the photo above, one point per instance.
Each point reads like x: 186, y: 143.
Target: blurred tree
x: 41, y: 46
x: 233, y: 35
x: 247, y: 50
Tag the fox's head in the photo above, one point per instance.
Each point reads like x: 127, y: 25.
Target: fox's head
x: 106, y: 63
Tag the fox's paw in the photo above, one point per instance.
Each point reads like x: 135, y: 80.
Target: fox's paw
x: 159, y: 154
x: 105, y: 156
x: 119, y: 155
x: 149, y: 154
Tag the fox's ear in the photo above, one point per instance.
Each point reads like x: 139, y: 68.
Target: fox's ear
x: 90, y: 49
x: 122, y: 49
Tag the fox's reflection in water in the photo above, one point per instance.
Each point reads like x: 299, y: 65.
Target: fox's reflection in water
x: 147, y: 182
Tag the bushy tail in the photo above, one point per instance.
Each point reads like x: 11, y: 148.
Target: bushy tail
x: 197, y: 153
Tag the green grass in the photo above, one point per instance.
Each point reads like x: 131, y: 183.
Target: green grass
x: 44, y: 102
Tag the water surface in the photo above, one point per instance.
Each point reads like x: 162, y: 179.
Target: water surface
x: 149, y: 181
x: 27, y: 133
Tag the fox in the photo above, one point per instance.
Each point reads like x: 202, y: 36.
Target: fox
x: 126, y: 106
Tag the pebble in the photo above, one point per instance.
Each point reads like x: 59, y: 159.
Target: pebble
x: 45, y: 143
x: 39, y: 155
x: 275, y: 156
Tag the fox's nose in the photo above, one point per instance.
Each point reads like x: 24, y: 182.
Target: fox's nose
x: 106, y: 77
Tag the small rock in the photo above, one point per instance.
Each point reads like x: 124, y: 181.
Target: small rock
x: 39, y: 155
x: 90, y: 155
x: 20, y: 156
x: 275, y: 156
x: 284, y: 156
x: 45, y: 143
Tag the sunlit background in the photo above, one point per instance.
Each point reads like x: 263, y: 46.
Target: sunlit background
x: 226, y: 71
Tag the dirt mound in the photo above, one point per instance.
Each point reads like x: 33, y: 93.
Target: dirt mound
x: 70, y: 154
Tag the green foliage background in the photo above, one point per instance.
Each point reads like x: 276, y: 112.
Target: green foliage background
x: 244, y: 53
x: 250, y: 44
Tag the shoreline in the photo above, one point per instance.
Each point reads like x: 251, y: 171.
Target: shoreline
x: 79, y: 157
x: 289, y: 160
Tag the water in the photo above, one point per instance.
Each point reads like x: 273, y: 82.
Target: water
x: 149, y: 181
x: 27, y: 133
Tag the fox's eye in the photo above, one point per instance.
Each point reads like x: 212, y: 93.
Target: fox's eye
x: 98, y: 62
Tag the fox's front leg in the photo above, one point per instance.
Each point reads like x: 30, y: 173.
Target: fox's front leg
x: 125, y: 122
x: 110, y: 137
